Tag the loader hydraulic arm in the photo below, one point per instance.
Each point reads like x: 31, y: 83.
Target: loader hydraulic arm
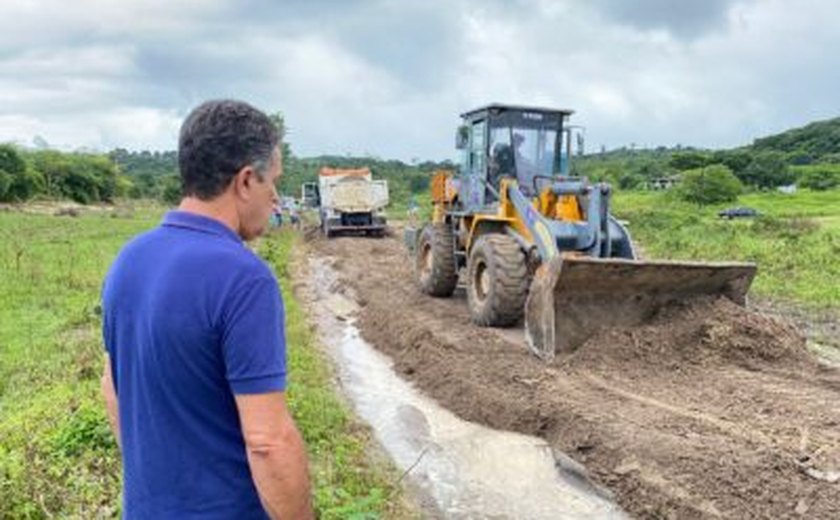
x: 536, y: 224
x: 590, y: 237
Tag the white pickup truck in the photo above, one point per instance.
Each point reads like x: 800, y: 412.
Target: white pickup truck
x: 349, y: 200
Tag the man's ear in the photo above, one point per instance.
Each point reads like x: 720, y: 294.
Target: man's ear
x: 243, y: 181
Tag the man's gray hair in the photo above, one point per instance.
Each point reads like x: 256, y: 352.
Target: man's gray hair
x: 218, y: 139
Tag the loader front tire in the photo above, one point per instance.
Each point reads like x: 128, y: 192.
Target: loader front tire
x: 497, y: 281
x: 435, y: 260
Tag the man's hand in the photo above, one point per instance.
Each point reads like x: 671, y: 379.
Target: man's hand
x: 276, y: 455
x: 110, y: 397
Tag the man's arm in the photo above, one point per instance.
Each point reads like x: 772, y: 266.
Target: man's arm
x: 110, y: 396
x: 276, y: 455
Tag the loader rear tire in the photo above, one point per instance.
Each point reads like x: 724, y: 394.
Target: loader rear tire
x: 435, y: 261
x: 497, y: 281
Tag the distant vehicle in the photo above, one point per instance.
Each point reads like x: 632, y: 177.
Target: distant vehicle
x: 731, y: 213
x: 348, y: 200
x: 309, y: 195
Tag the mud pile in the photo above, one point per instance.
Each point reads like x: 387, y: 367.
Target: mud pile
x: 697, y: 333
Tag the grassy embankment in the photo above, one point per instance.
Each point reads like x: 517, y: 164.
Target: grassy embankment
x: 57, y: 456
x: 795, y: 242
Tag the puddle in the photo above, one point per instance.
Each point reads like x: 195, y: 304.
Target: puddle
x: 470, y: 471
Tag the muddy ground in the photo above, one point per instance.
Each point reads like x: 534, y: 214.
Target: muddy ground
x: 708, y: 411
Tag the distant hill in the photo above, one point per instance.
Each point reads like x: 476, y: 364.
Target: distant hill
x: 809, y: 155
x: 814, y: 142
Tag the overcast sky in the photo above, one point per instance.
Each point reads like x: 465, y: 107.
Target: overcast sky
x: 389, y: 78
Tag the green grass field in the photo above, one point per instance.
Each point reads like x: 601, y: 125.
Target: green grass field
x: 57, y: 455
x: 795, y: 241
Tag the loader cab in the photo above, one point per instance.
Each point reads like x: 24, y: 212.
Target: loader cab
x: 497, y: 141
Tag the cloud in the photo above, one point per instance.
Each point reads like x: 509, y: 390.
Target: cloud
x: 390, y: 78
x: 681, y: 19
x: 122, y: 127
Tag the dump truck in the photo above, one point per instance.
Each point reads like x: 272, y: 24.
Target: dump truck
x: 349, y: 200
x: 526, y: 237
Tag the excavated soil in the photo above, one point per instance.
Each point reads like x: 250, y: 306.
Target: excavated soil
x: 708, y: 411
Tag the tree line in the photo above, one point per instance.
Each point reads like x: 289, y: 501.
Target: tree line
x: 81, y: 177
x: 90, y: 178
x: 808, y: 156
x: 798, y: 157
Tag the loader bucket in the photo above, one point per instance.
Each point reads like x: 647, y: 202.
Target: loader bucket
x: 572, y: 297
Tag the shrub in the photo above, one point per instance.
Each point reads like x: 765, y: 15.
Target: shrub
x: 820, y: 177
x: 767, y: 170
x: 628, y: 181
x: 690, y: 160
x: 710, y: 185
x: 18, y: 182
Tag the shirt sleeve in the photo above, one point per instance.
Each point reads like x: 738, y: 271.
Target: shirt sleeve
x: 253, y: 338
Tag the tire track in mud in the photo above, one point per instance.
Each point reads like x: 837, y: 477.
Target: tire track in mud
x: 710, y: 411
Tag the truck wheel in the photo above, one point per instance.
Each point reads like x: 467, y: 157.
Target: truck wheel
x: 497, y: 281
x: 435, y: 260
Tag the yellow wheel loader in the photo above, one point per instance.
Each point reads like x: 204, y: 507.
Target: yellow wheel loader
x: 525, y: 237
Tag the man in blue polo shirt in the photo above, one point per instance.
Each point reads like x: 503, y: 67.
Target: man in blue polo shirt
x: 195, y: 370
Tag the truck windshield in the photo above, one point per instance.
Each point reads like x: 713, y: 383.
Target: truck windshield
x: 523, y: 153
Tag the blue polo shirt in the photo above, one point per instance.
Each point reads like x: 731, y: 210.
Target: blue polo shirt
x: 190, y: 317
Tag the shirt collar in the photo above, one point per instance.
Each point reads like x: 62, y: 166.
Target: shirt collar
x: 185, y: 219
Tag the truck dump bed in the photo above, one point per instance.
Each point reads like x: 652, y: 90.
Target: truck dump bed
x: 351, y: 191
x: 351, y: 200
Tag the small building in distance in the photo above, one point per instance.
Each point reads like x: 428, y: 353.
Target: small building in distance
x: 663, y: 183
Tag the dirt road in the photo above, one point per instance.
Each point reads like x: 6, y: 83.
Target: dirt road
x: 709, y: 411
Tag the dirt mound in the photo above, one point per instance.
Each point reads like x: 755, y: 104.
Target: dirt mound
x: 696, y: 333
x: 708, y: 411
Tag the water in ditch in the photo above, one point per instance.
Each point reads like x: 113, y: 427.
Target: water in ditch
x: 468, y: 470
